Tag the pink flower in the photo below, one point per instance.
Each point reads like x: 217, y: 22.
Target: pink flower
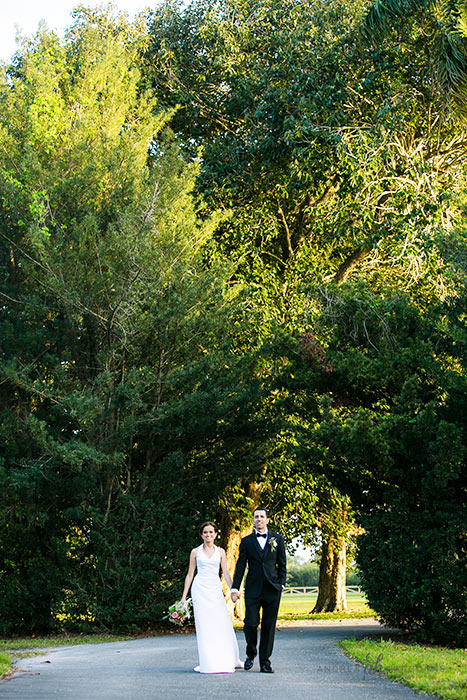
x: 175, y: 615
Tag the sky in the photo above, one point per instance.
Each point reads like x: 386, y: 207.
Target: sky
x: 26, y: 15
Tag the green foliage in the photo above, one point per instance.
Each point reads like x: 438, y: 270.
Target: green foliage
x: 303, y: 575
x: 126, y: 393
x: 442, y: 32
x: 333, y: 157
x: 308, y: 575
x: 337, y: 160
x: 393, y: 436
x: 170, y: 332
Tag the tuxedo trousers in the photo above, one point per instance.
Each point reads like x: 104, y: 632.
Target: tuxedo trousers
x: 268, y: 602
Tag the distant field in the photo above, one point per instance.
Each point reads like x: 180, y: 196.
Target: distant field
x: 302, y: 603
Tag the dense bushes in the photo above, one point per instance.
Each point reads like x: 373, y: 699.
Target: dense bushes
x: 125, y: 395
x: 413, y: 555
x: 395, y: 439
x: 414, y: 573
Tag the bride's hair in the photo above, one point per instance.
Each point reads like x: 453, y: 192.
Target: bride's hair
x: 209, y: 522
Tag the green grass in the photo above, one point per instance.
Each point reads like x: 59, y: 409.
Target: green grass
x: 436, y: 670
x: 298, y: 607
x: 56, y: 640
x: 5, y: 664
x: 343, y: 615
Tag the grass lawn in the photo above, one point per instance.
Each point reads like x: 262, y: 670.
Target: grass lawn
x: 428, y: 669
x: 56, y: 640
x: 298, y: 606
x: 4, y: 664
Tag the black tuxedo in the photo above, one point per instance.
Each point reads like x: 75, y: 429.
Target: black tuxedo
x: 263, y: 587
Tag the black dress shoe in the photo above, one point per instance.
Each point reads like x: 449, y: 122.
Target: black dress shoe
x: 266, y: 668
x: 248, y: 664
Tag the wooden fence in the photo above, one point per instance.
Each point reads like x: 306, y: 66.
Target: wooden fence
x: 304, y: 590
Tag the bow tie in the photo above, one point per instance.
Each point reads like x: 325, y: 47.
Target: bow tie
x: 261, y: 534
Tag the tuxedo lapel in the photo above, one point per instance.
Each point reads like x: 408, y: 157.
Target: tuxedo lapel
x: 255, y: 543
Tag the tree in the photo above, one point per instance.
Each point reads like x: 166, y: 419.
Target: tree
x: 335, y: 160
x: 126, y: 395
x: 392, y: 437
x: 443, y: 32
x: 330, y: 163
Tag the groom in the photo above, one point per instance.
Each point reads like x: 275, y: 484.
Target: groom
x: 264, y: 552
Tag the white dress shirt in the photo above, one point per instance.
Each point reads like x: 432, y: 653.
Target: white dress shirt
x: 262, y: 540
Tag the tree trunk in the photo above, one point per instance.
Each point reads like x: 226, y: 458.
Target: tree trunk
x: 332, y: 576
x: 231, y: 546
x: 231, y: 532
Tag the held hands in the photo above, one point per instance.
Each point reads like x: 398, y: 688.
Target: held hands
x: 235, y: 595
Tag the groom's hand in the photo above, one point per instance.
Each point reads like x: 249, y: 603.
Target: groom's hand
x: 235, y: 595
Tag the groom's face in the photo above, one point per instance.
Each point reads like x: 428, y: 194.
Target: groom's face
x: 260, y: 520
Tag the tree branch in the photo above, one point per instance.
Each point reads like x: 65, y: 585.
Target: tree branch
x: 350, y: 263
x: 287, y: 230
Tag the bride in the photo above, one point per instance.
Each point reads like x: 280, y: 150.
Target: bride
x: 217, y: 643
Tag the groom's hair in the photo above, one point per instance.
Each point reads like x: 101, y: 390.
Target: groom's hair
x: 261, y: 508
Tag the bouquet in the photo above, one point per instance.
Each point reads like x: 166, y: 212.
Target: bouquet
x: 179, y: 612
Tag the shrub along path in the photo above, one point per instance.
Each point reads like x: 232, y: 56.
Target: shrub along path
x: 307, y: 665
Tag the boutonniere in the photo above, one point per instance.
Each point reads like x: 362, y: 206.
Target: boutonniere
x: 272, y: 543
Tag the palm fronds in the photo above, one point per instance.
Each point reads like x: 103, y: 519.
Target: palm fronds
x: 448, y: 20
x: 462, y: 19
x: 386, y: 15
x: 452, y: 69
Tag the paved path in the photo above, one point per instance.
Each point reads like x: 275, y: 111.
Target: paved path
x: 307, y: 666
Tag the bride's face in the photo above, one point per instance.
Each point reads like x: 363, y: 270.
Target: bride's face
x: 208, y: 534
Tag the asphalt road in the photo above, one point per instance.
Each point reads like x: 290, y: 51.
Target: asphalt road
x: 306, y: 661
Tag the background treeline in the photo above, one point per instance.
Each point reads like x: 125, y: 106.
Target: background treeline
x: 308, y: 575
x: 232, y: 271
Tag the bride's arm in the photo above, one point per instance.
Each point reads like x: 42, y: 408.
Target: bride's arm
x: 225, y: 571
x: 190, y: 574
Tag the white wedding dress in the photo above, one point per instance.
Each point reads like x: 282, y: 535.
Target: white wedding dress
x: 217, y: 643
